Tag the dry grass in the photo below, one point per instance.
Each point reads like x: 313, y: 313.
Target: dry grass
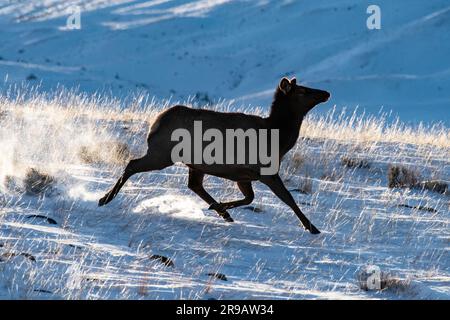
x: 115, y: 152
x: 343, y: 126
x: 362, y: 129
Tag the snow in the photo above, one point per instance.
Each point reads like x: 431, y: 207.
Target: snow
x: 175, y: 205
x: 128, y: 51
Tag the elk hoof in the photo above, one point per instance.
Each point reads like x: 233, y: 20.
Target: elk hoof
x: 103, y: 201
x: 313, y: 229
x: 228, y: 218
x: 219, y: 208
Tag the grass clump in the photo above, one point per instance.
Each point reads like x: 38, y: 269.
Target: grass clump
x: 401, y: 177
x: 304, y: 185
x: 368, y: 280
x: 435, y: 186
x: 355, y: 163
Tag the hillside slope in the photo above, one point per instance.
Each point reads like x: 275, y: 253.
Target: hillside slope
x: 68, y: 149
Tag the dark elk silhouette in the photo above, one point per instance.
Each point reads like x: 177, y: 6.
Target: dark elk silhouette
x: 290, y: 105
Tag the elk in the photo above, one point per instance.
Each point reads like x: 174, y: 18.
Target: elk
x: 290, y: 105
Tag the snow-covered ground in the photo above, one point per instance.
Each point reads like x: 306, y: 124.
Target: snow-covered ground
x: 59, y: 244
x: 238, y: 50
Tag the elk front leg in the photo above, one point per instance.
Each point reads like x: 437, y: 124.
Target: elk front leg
x: 277, y: 186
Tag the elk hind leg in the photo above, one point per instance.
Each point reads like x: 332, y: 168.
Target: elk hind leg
x: 196, y: 184
x: 144, y: 164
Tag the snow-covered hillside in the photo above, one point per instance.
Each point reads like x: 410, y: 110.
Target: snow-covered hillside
x: 61, y: 152
x: 237, y: 50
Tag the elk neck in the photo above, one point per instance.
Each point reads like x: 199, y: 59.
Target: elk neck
x: 287, y: 118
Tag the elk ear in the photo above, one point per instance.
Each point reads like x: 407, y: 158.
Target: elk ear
x: 285, y: 85
x: 293, y: 81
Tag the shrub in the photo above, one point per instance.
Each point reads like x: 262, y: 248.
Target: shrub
x: 31, y: 76
x: 120, y: 152
x: 88, y: 155
x: 37, y: 182
x: 401, y: 177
